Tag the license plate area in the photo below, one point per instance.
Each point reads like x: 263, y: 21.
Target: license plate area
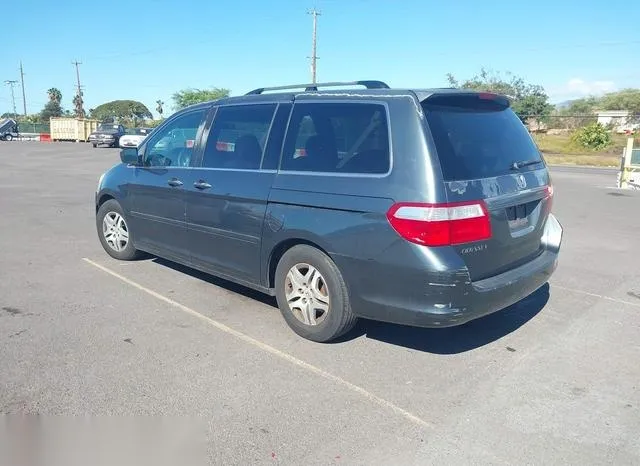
x: 519, y: 216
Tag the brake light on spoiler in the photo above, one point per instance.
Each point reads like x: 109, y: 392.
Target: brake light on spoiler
x: 441, y: 224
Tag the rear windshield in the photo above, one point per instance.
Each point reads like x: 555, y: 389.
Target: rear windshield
x: 477, y: 137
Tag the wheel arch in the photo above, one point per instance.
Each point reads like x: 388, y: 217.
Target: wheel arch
x: 106, y: 195
x: 281, y: 248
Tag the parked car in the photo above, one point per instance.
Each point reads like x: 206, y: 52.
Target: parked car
x: 428, y: 207
x: 133, y: 137
x: 8, y: 129
x: 108, y: 134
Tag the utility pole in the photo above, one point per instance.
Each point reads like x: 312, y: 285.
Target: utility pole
x: 12, y: 83
x: 24, y: 99
x: 315, y: 13
x: 78, y: 100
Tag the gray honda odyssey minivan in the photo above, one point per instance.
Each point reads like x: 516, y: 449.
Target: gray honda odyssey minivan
x: 344, y: 200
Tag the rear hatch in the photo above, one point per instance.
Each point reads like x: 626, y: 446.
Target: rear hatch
x: 488, y: 158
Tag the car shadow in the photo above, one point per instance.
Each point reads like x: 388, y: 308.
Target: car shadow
x: 219, y: 282
x: 459, y: 339
x: 450, y: 340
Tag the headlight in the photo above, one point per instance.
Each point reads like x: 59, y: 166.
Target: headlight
x: 100, y: 182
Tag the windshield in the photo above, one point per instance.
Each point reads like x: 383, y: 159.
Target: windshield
x: 478, y: 138
x: 108, y: 128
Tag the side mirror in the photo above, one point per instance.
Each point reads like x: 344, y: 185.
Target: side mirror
x: 129, y: 155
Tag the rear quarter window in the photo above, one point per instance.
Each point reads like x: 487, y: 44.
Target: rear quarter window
x: 338, y: 138
x: 477, y: 138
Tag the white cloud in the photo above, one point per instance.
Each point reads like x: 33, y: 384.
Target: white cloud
x: 580, y: 86
x: 576, y: 88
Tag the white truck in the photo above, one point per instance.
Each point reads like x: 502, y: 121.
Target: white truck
x: 8, y: 129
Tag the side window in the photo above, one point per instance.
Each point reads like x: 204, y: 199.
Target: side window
x: 238, y: 137
x: 172, y: 145
x: 337, y: 138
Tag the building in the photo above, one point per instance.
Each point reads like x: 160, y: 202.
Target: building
x: 619, y: 120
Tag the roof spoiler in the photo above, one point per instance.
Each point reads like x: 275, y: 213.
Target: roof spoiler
x: 460, y: 94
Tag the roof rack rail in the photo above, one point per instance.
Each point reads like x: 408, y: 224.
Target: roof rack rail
x: 315, y: 86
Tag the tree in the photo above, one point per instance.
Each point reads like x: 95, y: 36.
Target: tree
x: 77, y: 103
x: 13, y: 116
x: 53, y: 107
x: 160, y: 107
x: 528, y: 100
x: 585, y: 106
x: 54, y: 95
x: 186, y: 97
x: 535, y: 105
x: 626, y: 99
x: 121, y: 110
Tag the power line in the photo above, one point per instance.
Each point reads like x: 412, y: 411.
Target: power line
x: 12, y: 83
x: 24, y: 99
x: 315, y: 13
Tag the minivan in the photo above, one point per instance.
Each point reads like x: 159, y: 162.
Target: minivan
x: 422, y: 207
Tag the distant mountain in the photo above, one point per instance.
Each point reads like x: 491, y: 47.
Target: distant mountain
x: 565, y: 104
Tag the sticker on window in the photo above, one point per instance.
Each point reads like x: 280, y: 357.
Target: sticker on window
x: 189, y: 143
x: 225, y: 146
x: 300, y: 153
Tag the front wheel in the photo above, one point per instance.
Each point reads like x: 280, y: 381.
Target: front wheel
x: 8, y: 137
x: 114, y: 232
x: 312, y: 295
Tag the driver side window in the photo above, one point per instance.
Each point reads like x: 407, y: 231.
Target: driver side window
x: 172, y: 146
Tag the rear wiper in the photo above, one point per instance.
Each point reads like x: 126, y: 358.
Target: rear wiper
x: 524, y: 163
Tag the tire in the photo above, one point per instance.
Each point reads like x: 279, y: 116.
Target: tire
x: 8, y: 137
x: 114, y: 211
x: 94, y: 145
x: 338, y: 319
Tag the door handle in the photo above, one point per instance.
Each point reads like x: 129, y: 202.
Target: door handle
x: 201, y: 185
x: 175, y: 182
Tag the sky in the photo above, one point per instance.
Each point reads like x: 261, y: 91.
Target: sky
x: 146, y: 50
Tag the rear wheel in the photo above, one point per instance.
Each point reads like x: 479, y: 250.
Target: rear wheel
x: 114, y: 232
x: 94, y: 145
x: 312, y: 295
x: 8, y: 137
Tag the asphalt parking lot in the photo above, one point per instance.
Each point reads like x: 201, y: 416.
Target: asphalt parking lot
x: 552, y: 380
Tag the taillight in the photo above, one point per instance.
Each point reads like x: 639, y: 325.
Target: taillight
x: 441, y: 224
x: 549, y: 196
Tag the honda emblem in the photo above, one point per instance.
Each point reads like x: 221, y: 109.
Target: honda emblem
x: 522, y: 182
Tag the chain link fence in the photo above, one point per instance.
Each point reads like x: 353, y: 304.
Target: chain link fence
x: 26, y: 127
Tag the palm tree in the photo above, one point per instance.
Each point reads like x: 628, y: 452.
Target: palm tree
x: 55, y: 95
x: 159, y: 108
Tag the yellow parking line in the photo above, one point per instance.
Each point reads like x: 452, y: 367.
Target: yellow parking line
x: 270, y: 349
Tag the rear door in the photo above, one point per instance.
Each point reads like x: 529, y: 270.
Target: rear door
x: 486, y: 154
x: 228, y: 191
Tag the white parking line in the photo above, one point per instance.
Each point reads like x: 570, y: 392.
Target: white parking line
x: 270, y: 349
x: 587, y: 293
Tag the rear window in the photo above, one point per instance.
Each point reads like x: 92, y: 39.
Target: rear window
x: 477, y: 137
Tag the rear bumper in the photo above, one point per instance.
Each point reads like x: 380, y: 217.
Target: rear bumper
x: 394, y: 291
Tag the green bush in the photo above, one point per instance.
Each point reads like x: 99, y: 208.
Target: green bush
x: 594, y: 137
